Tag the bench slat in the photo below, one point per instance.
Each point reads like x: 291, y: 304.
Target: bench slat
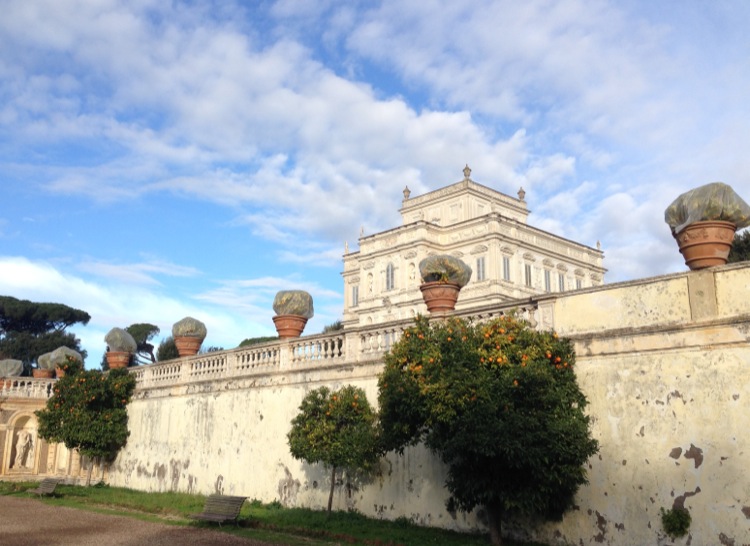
x: 220, y: 508
x: 47, y: 487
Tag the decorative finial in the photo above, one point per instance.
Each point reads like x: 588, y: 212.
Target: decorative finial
x: 346, y: 247
x: 407, y: 192
x: 521, y: 193
x: 362, y: 231
x: 467, y: 172
x: 598, y: 245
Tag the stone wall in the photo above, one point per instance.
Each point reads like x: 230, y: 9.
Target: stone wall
x: 665, y: 363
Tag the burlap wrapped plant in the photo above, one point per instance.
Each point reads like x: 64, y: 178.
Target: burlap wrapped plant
x: 10, y: 367
x: 59, y: 356
x: 189, y: 327
x: 716, y: 201
x: 293, y: 302
x: 444, y: 268
x: 120, y: 340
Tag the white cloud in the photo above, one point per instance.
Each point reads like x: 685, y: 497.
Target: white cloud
x: 122, y: 304
x: 603, y: 111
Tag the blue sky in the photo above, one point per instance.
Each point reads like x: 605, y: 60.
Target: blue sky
x: 163, y: 159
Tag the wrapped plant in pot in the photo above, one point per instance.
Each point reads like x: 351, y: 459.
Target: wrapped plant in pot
x: 10, y: 367
x: 293, y: 309
x: 703, y: 221
x: 44, y: 367
x: 188, y: 335
x: 60, y: 359
x: 443, y: 277
x: 120, y: 348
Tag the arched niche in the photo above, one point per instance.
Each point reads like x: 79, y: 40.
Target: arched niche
x: 22, y: 445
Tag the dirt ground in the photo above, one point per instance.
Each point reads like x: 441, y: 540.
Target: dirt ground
x: 30, y: 522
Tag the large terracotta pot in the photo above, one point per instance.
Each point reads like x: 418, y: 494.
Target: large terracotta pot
x: 289, y: 325
x: 706, y: 244
x: 187, y: 345
x: 43, y: 373
x: 117, y: 359
x: 439, y: 296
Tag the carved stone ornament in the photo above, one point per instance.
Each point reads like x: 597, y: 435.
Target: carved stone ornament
x: 479, y: 249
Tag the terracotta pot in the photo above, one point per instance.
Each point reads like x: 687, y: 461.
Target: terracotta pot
x: 439, y: 296
x: 118, y: 359
x: 706, y: 244
x: 42, y: 373
x: 187, y: 346
x: 289, y: 325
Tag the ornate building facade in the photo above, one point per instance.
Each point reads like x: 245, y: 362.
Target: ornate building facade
x: 483, y: 227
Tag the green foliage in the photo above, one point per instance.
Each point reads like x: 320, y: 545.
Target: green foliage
x: 336, y: 428
x: 29, y: 329
x: 87, y: 411
x: 142, y: 333
x: 266, y: 522
x: 71, y: 366
x: 499, y: 403
x: 38, y: 318
x: 676, y: 521
x: 335, y: 326
x: 740, y: 251
x: 257, y: 340
x: 167, y: 350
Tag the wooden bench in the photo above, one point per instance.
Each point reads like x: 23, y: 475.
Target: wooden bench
x: 221, y: 508
x: 47, y: 487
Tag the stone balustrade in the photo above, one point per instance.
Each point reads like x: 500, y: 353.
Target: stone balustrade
x: 25, y: 387
x: 352, y: 346
x: 348, y: 347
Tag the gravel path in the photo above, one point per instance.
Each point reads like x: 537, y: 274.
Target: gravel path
x: 29, y: 522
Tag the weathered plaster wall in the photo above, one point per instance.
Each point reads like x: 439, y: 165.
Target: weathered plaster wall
x: 665, y: 363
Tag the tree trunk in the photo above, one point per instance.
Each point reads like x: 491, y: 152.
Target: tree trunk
x: 330, y: 495
x: 90, y: 461
x: 494, y: 518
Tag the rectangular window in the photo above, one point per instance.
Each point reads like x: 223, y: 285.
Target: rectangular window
x: 506, y: 268
x: 389, y: 284
x: 561, y: 282
x: 527, y: 270
x: 480, y: 268
x: 547, y: 281
x: 355, y: 296
x: 579, y: 284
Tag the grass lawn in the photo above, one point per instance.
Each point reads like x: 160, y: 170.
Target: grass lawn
x: 268, y: 522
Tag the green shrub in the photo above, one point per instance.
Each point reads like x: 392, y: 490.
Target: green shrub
x: 676, y: 521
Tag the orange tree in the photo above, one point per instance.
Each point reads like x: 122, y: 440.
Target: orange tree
x: 499, y: 403
x: 336, y: 428
x: 87, y: 411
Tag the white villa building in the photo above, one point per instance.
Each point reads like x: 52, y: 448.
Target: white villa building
x: 483, y: 227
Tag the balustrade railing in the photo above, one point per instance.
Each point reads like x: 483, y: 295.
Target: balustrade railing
x: 351, y: 346
x: 26, y: 387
